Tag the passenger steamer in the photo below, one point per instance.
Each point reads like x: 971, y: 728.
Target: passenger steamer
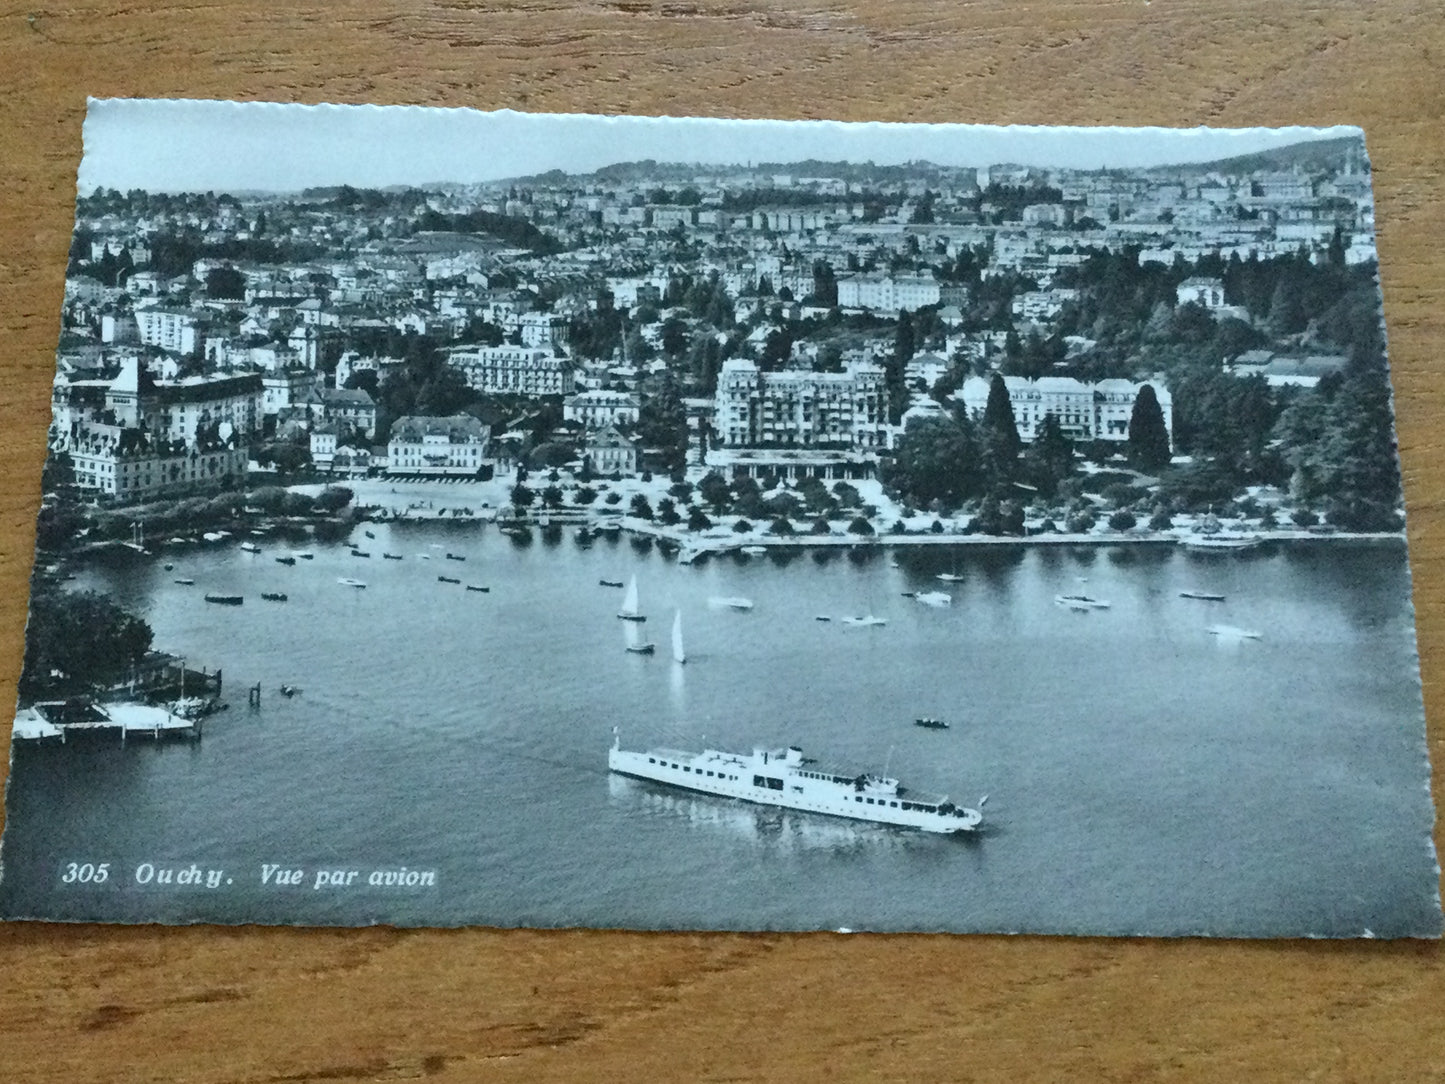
x: 784, y: 777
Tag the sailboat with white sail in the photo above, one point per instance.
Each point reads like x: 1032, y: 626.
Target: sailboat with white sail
x: 634, y: 644
x: 678, y: 654
x: 629, y: 611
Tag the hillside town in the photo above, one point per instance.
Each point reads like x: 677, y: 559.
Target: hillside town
x: 810, y: 348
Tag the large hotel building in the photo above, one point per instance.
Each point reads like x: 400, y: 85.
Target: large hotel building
x: 801, y: 409
x: 1085, y: 411
x: 515, y: 370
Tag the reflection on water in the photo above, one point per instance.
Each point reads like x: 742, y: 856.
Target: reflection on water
x: 782, y: 830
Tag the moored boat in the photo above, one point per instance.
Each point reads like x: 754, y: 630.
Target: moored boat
x: 250, y: 547
x: 1081, y: 602
x: 226, y: 600
x: 1202, y: 596
x: 285, y: 560
x: 448, y: 579
x: 610, y: 583
x: 731, y: 602
x: 1222, y: 543
x: 347, y: 581
x: 1233, y: 632
x: 642, y: 649
x: 478, y: 587
x: 785, y: 778
x: 184, y: 581
x: 274, y: 596
x: 934, y: 598
x: 928, y: 722
x: 391, y: 557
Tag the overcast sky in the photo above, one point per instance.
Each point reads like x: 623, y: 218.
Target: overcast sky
x: 176, y: 146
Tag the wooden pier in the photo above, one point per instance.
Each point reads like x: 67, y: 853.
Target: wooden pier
x: 58, y: 719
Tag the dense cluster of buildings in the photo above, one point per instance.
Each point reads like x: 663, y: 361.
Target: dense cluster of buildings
x: 174, y: 378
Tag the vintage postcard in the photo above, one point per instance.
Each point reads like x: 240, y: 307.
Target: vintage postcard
x: 459, y: 518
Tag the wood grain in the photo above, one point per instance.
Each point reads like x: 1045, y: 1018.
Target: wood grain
x: 88, y: 1003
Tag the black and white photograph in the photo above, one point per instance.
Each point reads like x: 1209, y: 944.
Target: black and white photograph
x: 522, y: 520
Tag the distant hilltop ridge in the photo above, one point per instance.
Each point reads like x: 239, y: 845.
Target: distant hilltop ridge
x: 1309, y: 154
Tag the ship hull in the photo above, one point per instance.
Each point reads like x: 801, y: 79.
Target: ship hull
x: 727, y: 776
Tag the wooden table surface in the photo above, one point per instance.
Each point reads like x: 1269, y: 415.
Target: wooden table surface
x: 91, y: 1003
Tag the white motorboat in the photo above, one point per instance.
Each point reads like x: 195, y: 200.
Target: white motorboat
x: 731, y: 602
x: 1233, y: 632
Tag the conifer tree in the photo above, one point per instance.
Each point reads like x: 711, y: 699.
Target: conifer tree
x: 998, y: 419
x: 1148, y: 436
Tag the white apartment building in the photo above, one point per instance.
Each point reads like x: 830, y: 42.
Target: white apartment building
x: 795, y: 408
x: 1208, y: 292
x: 515, y: 370
x: 599, y: 409
x: 170, y: 329
x: 541, y: 328
x: 106, y: 462
x: 453, y: 446
x: 1084, y: 411
x: 175, y: 410
x: 890, y: 293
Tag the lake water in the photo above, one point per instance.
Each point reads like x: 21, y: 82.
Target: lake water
x: 1144, y: 776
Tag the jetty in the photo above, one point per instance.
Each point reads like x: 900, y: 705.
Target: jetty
x: 60, y: 719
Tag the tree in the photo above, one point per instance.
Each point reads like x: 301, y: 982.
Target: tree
x: 1123, y: 520
x: 1000, y: 430
x: 551, y: 497
x: 861, y: 526
x: 715, y: 491
x: 82, y: 636
x: 1050, y: 458
x: 781, y: 526
x: 58, y: 474
x: 286, y: 457
x: 363, y: 379
x: 1148, y: 436
x: 937, y: 459
x: 522, y: 497
x: 697, y: 520
x: 225, y: 282
x: 742, y: 526
x: 333, y: 499
x: 667, y: 513
x: 662, y: 424
x: 903, y: 350
x: 640, y: 507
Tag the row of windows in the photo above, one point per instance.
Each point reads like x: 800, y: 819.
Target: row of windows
x: 912, y: 806
x: 710, y: 774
